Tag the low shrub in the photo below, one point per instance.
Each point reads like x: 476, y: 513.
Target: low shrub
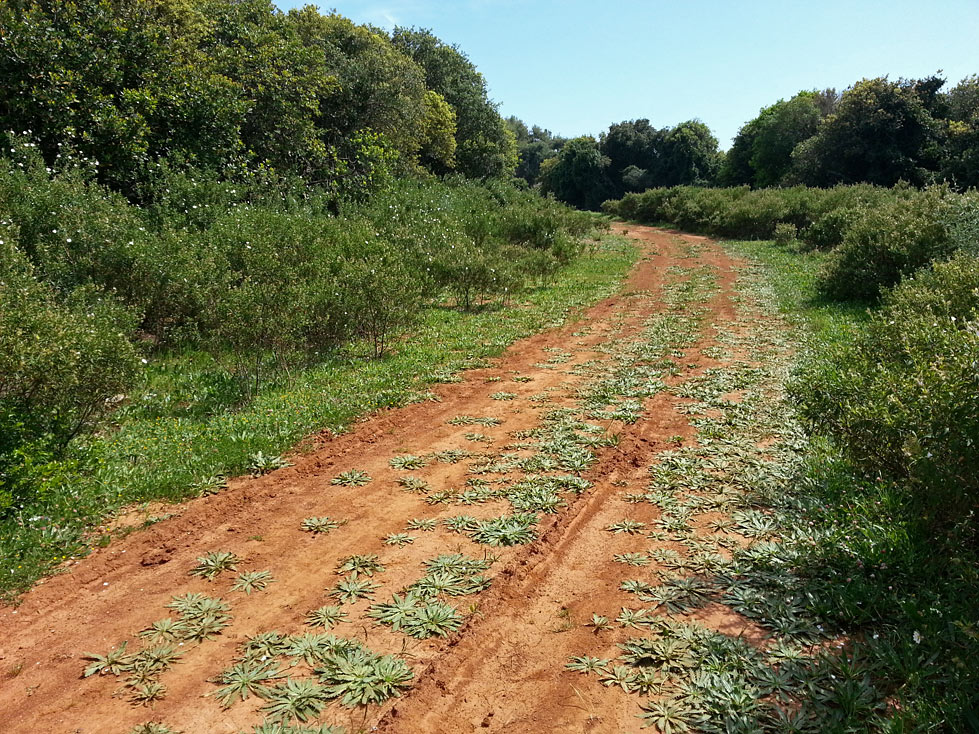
x: 902, y: 400
x: 877, y: 235
x: 63, y: 363
x: 785, y: 233
x: 889, y: 242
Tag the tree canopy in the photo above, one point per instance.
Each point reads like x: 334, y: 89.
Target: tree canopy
x: 225, y: 84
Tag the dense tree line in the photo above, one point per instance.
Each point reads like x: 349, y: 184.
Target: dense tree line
x: 878, y: 131
x: 225, y: 84
x: 220, y: 178
x: 631, y: 156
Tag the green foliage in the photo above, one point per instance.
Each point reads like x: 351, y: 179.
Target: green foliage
x: 881, y: 132
x: 889, y: 242
x: 485, y: 148
x: 780, y: 128
x: 879, y: 235
x: 761, y: 154
x: 901, y: 399
x: 578, y: 175
x: 641, y: 156
x: 534, y: 146
x: 64, y: 363
x: 785, y: 233
x: 358, y: 677
x: 211, y: 565
x: 373, y: 85
x: 438, y: 145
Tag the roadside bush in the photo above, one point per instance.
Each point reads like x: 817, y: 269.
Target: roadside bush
x: 63, y: 362
x: 471, y: 273
x: 889, y: 242
x: 381, y: 291
x: 902, y: 400
x: 828, y: 230
x: 785, y: 233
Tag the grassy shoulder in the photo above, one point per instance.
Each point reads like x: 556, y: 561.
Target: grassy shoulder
x: 185, y: 427
x: 876, y: 565
x: 794, y: 278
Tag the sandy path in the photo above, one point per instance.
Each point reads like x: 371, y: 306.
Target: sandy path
x: 502, y: 672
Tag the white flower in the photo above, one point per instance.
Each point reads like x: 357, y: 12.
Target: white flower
x: 916, y: 637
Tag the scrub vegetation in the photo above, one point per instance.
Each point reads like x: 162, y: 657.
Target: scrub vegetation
x: 225, y: 229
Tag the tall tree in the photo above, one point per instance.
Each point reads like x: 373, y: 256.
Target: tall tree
x: 634, y: 146
x: 485, y: 146
x: 578, y: 175
x: 880, y: 133
x: 534, y: 146
x: 780, y: 128
x: 962, y: 162
x: 690, y: 156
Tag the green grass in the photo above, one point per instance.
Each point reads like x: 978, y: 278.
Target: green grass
x: 908, y: 597
x: 189, y: 421
x: 794, y: 277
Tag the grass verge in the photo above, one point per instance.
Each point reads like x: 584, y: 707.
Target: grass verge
x: 186, y: 426
x: 906, y: 596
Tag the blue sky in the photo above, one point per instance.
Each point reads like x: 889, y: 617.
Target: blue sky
x: 576, y: 66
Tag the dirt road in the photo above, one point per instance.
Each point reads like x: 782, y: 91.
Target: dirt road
x: 595, y: 400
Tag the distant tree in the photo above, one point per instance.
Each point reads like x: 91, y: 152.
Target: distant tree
x: 534, y: 146
x: 761, y: 154
x: 519, y: 129
x: 737, y: 169
x: 778, y: 130
x: 438, y: 141
x: 485, y: 147
x: 634, y: 146
x: 880, y: 133
x: 690, y: 156
x: 634, y: 178
x: 962, y: 161
x: 826, y: 101
x: 578, y: 175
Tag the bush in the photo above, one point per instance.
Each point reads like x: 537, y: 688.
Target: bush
x: 63, y: 364
x: 829, y: 229
x: 785, y: 233
x: 890, y: 242
x: 902, y: 400
x: 381, y: 290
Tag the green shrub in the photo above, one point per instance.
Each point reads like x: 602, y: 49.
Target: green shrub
x: 889, y: 242
x: 829, y: 229
x: 785, y: 233
x: 63, y: 364
x: 381, y: 290
x: 902, y: 400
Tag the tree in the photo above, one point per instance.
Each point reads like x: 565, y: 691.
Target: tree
x: 633, y: 146
x: 438, y: 147
x: 578, y: 175
x: 690, y: 156
x: 282, y: 80
x: 880, y: 133
x: 375, y: 87
x: 109, y: 79
x: 485, y: 147
x: 779, y: 129
x: 737, y: 169
x: 534, y: 146
x: 962, y: 162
